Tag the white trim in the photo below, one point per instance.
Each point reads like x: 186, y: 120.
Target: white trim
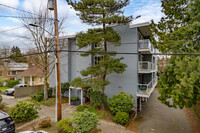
x: 139, y: 25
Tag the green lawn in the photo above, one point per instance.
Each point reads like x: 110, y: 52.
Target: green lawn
x: 3, y: 88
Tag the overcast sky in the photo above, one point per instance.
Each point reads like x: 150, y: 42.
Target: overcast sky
x: 148, y: 9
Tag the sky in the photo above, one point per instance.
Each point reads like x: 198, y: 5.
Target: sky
x: 148, y: 9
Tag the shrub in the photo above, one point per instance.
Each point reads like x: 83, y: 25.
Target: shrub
x: 64, y: 87
x: 38, y: 97
x: 45, y: 124
x: 50, y: 92
x: 2, y: 80
x: 12, y: 83
x: 85, y: 121
x: 97, y: 98
x: 81, y: 107
x: 65, y: 125
x: 24, y: 111
x: 121, y: 102
x: 121, y: 118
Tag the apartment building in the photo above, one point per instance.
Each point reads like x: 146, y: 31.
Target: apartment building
x: 140, y: 77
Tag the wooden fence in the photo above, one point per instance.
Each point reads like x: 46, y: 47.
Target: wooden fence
x: 27, y: 91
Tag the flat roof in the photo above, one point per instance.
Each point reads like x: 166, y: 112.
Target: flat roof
x: 139, y: 25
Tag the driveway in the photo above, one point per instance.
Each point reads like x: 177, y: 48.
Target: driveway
x: 10, y: 100
x: 158, y: 118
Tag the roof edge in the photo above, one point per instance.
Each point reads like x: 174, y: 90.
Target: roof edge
x: 139, y: 25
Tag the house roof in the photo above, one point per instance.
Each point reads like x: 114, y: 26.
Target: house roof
x: 32, y: 71
x: 12, y: 65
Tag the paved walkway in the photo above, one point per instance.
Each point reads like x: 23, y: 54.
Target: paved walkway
x: 158, y: 118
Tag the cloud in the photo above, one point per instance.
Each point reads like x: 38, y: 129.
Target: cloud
x: 12, y: 3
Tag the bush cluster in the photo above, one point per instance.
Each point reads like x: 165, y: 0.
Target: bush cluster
x: 40, y: 95
x: 65, y: 125
x: 2, y: 80
x: 24, y: 111
x: 64, y: 87
x: 84, y: 121
x: 121, y: 118
x: 97, y: 98
x: 12, y: 83
x: 121, y: 103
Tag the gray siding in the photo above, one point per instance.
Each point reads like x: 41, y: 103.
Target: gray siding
x: 127, y: 81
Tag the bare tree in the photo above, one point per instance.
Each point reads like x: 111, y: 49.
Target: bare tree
x: 42, y: 36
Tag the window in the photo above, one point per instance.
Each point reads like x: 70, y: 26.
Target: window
x: 1, y: 73
x: 14, y: 72
x: 97, y: 59
x: 40, y: 79
x: 11, y: 73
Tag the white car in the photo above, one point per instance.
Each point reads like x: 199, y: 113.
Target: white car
x: 11, y: 91
x: 33, y: 131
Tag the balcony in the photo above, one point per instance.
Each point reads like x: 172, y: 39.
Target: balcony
x: 145, y: 46
x: 146, y: 67
x: 145, y: 90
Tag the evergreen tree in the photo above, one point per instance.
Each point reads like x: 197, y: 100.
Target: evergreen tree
x: 179, y: 32
x: 16, y: 55
x: 100, y: 13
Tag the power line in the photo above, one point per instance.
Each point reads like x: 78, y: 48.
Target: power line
x: 10, y: 41
x: 18, y: 9
x: 10, y: 29
x: 3, y: 16
x: 121, y: 53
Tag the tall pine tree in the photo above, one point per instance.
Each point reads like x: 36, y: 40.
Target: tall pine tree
x: 179, y: 32
x: 17, y: 56
x: 100, y: 13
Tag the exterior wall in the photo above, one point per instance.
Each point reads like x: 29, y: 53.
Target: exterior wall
x: 36, y: 80
x: 127, y: 81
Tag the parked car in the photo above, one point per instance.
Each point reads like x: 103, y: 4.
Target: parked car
x: 7, y: 125
x: 33, y: 131
x: 11, y: 91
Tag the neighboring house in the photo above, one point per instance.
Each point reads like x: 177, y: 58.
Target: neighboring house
x: 32, y: 76
x: 10, y: 69
x: 140, y: 77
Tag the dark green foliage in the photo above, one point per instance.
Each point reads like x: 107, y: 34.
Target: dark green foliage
x: 121, y: 102
x: 85, y: 121
x: 102, y: 13
x: 24, y: 111
x: 74, y: 98
x: 17, y: 56
x: 38, y: 96
x: 65, y: 125
x: 50, y: 92
x: 121, y: 118
x: 97, y: 98
x: 64, y: 87
x: 81, y: 107
x: 178, y: 32
x: 12, y: 83
x: 45, y: 124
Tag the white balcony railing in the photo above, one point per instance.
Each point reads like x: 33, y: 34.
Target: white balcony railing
x: 147, y: 87
x: 145, y: 45
x: 146, y: 66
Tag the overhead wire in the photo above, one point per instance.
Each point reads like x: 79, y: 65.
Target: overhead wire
x: 17, y: 9
x: 11, y: 29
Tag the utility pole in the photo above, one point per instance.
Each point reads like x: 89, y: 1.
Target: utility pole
x: 58, y: 94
